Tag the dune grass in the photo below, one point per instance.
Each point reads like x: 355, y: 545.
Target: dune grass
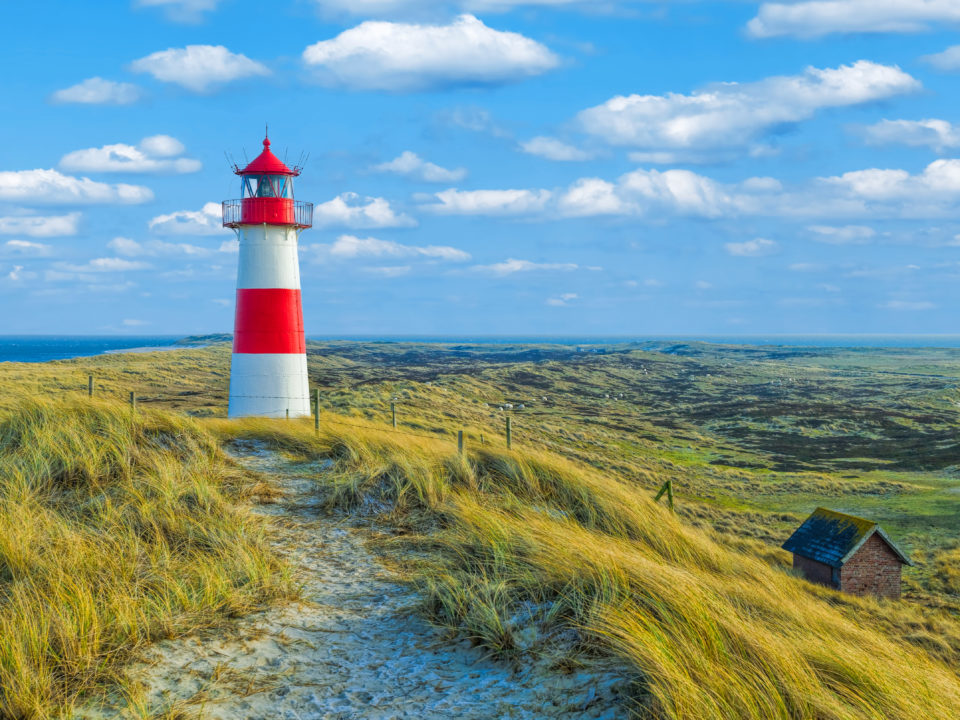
x: 508, y: 546
x: 116, y: 528
x: 559, y: 553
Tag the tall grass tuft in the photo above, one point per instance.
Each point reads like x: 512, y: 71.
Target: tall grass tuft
x: 116, y: 528
x: 501, y: 542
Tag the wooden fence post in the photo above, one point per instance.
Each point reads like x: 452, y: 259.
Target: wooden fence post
x: 89, y: 385
x: 460, y: 442
x: 288, y: 413
x: 509, y: 433
x: 133, y: 401
x: 668, y: 489
x: 316, y: 417
x: 393, y: 413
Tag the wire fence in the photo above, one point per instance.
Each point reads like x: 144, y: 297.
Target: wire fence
x: 509, y: 413
x: 507, y: 435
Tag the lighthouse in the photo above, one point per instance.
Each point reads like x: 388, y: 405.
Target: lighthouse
x: 268, y: 370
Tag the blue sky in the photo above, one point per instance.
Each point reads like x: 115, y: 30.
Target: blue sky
x: 490, y: 166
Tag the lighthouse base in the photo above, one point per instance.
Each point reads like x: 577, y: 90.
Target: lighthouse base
x: 269, y: 385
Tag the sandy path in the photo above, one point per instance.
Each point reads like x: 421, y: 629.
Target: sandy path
x: 352, y: 648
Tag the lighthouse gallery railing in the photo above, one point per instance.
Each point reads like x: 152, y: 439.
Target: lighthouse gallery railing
x: 233, y: 213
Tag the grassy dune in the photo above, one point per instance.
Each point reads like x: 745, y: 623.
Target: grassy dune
x: 116, y: 528
x: 509, y: 546
x: 119, y: 527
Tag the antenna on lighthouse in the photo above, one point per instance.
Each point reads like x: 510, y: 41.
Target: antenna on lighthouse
x: 230, y: 161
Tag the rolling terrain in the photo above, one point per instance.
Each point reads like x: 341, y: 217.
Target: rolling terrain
x: 559, y: 534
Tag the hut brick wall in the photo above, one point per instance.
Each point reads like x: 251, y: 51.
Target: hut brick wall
x: 814, y: 571
x: 873, y: 570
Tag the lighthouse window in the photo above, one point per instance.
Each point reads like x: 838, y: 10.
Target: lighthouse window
x: 265, y: 188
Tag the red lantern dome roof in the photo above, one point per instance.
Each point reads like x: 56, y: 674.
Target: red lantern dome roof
x: 266, y: 163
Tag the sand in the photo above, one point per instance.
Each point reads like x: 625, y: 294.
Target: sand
x: 353, y: 647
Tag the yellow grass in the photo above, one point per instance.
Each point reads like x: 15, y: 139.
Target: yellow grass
x: 116, y: 528
x: 706, y: 630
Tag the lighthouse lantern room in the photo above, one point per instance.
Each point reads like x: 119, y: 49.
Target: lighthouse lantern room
x: 268, y: 371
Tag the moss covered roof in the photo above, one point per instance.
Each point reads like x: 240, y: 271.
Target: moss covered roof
x: 832, y: 537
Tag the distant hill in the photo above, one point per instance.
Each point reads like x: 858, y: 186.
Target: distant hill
x: 205, y: 339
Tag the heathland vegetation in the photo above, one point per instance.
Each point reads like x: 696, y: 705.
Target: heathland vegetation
x: 120, y: 526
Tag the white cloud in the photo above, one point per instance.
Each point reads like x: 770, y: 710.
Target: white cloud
x: 162, y: 146
x: 417, y: 8
x: 592, y: 196
x: 656, y: 195
x: 816, y: 18
x: 155, y: 248
x: 189, y: 11
x: 940, y: 180
x: 40, y: 226
x: 488, y: 202
x: 907, y: 305
x: 350, y: 210
x: 474, y: 119
x: 846, y: 235
x: 133, y: 322
x: 206, y: 221
x: 349, y: 247
x: 27, y: 248
x: 153, y: 154
x: 389, y: 270
x: 198, y: 67
x: 230, y: 246
x: 108, y: 264
x: 641, y: 192
x: 762, y: 185
x: 412, y: 165
x: 562, y: 300
x: 511, y: 266
x: 97, y: 91
x: 396, y: 57
x: 734, y: 114
x: 751, y: 248
x: 17, y: 273
x: 938, y: 135
x: 677, y: 192
x: 553, y: 149
x: 50, y: 186
x: 948, y: 60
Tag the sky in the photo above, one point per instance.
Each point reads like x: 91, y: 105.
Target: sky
x: 489, y: 167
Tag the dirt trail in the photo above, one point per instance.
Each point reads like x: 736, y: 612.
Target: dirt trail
x: 353, y: 648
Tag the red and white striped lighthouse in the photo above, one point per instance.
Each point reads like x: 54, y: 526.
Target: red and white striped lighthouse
x: 268, y: 372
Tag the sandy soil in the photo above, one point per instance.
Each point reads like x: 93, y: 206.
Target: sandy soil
x: 352, y: 648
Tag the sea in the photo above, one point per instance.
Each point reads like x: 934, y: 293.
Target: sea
x: 41, y: 348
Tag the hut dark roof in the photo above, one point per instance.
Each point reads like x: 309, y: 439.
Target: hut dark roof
x: 832, y: 538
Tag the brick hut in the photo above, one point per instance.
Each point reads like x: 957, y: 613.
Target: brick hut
x: 847, y: 553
